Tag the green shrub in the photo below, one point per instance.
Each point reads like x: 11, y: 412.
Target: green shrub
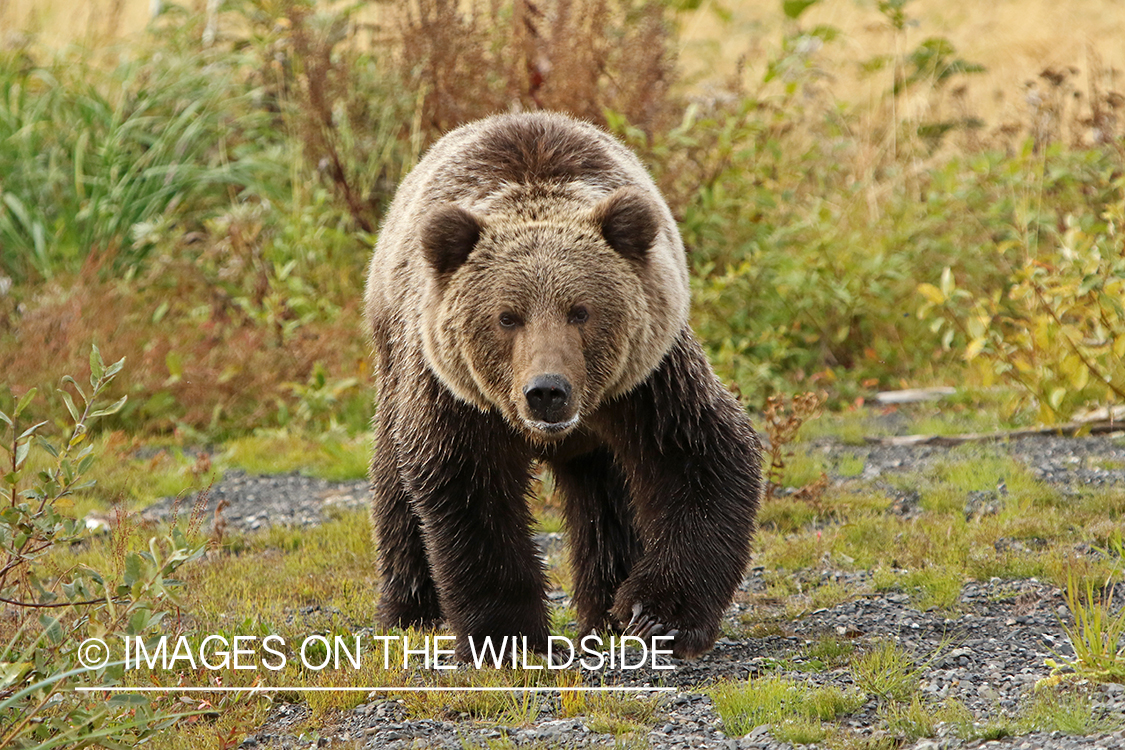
x: 1049, y: 315
x: 154, y: 134
x: 51, y: 614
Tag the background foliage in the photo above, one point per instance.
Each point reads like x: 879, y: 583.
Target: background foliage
x: 208, y: 209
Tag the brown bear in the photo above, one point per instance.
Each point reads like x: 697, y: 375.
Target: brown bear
x: 528, y: 301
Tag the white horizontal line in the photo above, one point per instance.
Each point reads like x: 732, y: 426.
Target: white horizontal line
x: 382, y: 689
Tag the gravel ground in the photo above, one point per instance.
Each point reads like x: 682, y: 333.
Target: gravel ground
x: 251, y: 503
x: 988, y: 656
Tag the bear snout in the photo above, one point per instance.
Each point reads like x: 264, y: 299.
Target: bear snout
x: 548, y: 400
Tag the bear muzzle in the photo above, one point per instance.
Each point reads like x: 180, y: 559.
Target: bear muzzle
x: 549, y: 404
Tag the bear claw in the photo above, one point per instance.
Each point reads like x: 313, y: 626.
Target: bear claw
x: 645, y: 626
x: 637, y: 609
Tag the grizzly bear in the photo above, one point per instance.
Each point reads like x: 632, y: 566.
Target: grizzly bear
x: 528, y: 303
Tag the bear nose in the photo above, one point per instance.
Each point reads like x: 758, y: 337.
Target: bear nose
x: 547, y: 397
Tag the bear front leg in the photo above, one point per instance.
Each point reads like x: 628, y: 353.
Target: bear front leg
x: 407, y: 595
x: 693, y: 463
x: 603, y: 542
x: 468, y: 476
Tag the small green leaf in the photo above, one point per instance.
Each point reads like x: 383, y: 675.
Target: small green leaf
x: 794, y: 8
x: 28, y: 432
x: 174, y: 364
x: 97, y: 366
x: 24, y: 402
x: 134, y: 569
x: 111, y: 409
x: 114, y: 368
x: 931, y: 293
x: 85, y: 464
x: 21, y: 453
x: 53, y: 628
x: 70, y: 407
x: 1056, y: 397
x: 947, y: 283
x: 12, y: 672
x: 67, y: 379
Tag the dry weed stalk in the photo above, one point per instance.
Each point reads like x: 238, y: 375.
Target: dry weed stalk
x: 124, y: 523
x: 323, y: 82
x: 577, y: 56
x: 784, y: 418
x: 219, y: 526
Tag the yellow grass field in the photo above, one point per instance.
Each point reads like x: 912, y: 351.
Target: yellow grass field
x: 1014, y: 39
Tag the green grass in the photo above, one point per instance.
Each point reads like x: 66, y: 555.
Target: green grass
x: 916, y: 718
x: 1097, y: 633
x: 830, y: 652
x: 795, y: 712
x: 887, y: 672
x: 1064, y: 709
x: 621, y: 716
x: 934, y: 588
x: 929, y: 588
x: 188, y: 217
x: 144, y: 137
x: 1067, y: 711
x: 260, y: 583
x: 282, y: 451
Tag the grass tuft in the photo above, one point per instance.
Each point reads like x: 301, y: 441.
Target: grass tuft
x: 1098, y: 632
x: 887, y: 672
x: 793, y: 711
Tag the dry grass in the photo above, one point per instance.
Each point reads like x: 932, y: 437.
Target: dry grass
x: 575, y: 56
x: 59, y: 22
x: 1014, y: 41
x: 214, y: 363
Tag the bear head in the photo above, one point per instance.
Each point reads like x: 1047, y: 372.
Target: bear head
x: 539, y: 310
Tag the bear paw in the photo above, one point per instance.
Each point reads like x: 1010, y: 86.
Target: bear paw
x: 687, y: 643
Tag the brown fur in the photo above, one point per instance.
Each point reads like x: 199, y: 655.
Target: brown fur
x: 528, y: 301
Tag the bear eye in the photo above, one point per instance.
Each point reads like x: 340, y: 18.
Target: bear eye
x: 509, y: 320
x: 578, y: 315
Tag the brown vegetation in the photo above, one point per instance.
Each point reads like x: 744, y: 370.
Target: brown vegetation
x: 576, y: 56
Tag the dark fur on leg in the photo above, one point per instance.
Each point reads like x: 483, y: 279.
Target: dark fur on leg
x: 603, y: 542
x: 408, y: 597
x: 468, y: 476
x: 692, y: 462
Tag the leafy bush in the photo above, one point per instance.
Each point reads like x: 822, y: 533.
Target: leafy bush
x: 1051, y: 317
x: 50, y: 613
x: 216, y: 203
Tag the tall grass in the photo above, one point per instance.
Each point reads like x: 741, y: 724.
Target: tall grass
x: 91, y: 155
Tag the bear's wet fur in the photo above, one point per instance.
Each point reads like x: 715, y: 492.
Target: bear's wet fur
x: 528, y: 301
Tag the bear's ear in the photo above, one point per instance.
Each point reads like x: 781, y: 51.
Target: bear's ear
x: 629, y: 222
x: 448, y: 236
